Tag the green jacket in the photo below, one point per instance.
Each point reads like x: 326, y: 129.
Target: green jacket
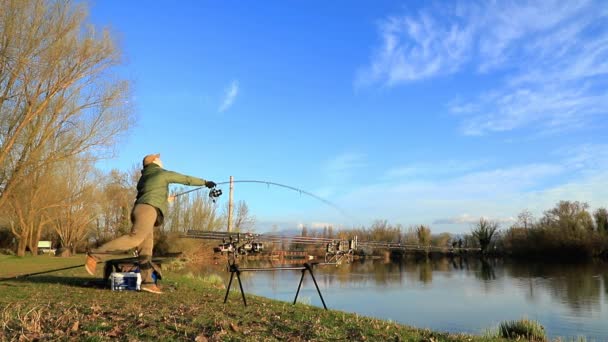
x: 153, y: 185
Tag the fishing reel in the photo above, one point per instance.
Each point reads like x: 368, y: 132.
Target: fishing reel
x: 214, y: 193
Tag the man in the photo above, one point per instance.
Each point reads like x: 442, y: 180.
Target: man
x: 148, y: 212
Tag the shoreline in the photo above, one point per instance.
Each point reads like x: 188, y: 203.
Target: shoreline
x: 57, y: 306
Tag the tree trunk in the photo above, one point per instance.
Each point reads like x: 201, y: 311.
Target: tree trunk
x: 21, y: 247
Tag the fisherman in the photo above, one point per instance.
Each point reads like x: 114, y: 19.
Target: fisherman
x: 148, y: 212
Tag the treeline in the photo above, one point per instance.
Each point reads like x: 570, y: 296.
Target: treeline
x: 568, y: 230
x: 63, y: 107
x: 75, y: 206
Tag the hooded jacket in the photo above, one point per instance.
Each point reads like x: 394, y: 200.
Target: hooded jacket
x: 153, y: 185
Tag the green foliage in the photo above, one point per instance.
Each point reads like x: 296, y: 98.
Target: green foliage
x: 601, y: 220
x: 483, y: 232
x: 523, y: 328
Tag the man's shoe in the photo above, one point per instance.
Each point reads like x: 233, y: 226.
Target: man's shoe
x: 152, y: 288
x: 90, y: 265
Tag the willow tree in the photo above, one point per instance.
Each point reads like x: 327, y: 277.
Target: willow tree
x: 59, y: 92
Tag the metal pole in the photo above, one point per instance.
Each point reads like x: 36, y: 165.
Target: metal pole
x: 230, y: 204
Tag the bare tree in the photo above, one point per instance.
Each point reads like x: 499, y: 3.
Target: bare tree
x: 525, y: 219
x: 73, y: 219
x: 194, y: 211
x: 26, y: 209
x: 116, y: 201
x: 424, y: 235
x: 569, y: 217
x: 243, y: 220
x: 59, y: 96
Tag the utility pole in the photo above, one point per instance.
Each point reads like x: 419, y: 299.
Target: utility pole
x: 230, y: 204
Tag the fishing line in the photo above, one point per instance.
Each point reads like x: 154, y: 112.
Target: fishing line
x: 333, y: 205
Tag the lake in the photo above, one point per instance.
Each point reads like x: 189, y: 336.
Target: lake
x: 455, y: 295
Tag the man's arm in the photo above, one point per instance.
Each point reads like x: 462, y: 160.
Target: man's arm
x: 175, y: 177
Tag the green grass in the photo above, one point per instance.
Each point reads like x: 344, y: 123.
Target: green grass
x: 522, y: 329
x: 11, y: 266
x: 57, y: 306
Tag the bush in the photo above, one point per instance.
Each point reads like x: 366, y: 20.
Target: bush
x: 7, y: 251
x: 523, y: 328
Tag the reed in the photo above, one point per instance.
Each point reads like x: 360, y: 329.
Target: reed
x: 523, y: 328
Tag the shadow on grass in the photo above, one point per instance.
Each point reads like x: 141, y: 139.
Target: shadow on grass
x: 64, y: 280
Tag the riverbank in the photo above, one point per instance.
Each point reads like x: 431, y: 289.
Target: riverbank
x: 57, y: 306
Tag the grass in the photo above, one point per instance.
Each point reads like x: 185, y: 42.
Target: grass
x: 57, y: 306
x: 522, y: 329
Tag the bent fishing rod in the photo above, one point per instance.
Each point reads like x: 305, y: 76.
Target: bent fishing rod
x: 268, y: 183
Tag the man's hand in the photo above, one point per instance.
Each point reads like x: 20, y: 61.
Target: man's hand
x: 210, y: 184
x: 171, y: 198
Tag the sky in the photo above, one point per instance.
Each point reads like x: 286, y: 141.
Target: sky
x: 414, y: 112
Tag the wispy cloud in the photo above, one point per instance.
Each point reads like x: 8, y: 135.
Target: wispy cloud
x: 497, y: 193
x: 339, y: 170
x: 469, y: 219
x: 417, y: 47
x: 432, y: 169
x: 550, y: 60
x: 230, y: 95
x: 344, y: 164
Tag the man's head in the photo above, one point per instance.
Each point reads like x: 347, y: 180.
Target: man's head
x: 152, y: 158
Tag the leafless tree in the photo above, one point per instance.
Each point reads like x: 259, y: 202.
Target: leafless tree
x: 59, y: 96
x: 424, y: 235
x: 243, y: 221
x: 74, y: 217
x: 525, y: 219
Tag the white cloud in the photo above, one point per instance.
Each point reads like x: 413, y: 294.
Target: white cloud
x: 469, y: 219
x: 550, y: 59
x: 577, y: 174
x: 230, y: 95
x: 418, y: 47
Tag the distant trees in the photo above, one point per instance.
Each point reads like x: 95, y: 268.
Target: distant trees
x: 483, y: 232
x: 601, y: 220
x: 424, y: 235
x: 243, y: 220
x: 568, y: 217
x: 568, y: 229
x: 196, y: 211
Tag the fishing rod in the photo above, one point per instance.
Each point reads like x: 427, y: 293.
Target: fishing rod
x: 38, y: 273
x: 269, y: 183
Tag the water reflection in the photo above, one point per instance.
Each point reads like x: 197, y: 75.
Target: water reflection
x: 577, y: 285
x: 455, y: 294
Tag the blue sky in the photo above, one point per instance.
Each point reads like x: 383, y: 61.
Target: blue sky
x: 433, y: 113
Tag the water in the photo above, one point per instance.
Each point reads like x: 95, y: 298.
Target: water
x: 569, y: 300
